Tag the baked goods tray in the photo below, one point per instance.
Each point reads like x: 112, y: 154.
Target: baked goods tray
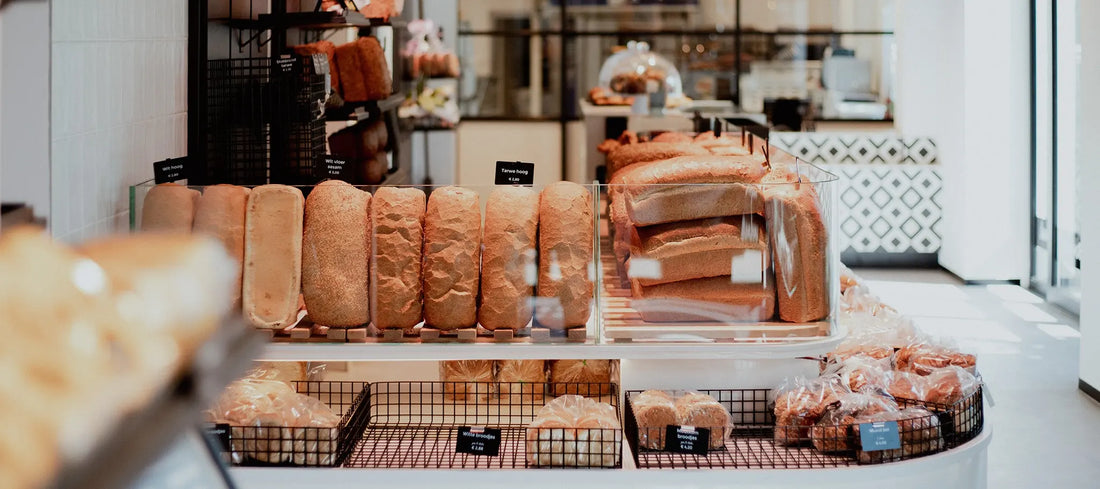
x: 752, y: 442
x: 266, y: 446
x: 143, y: 436
x: 416, y: 425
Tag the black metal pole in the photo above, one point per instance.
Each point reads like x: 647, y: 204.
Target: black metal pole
x: 562, y: 92
x: 737, y: 55
x: 196, y: 91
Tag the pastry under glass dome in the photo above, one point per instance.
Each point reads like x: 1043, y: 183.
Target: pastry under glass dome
x: 628, y: 71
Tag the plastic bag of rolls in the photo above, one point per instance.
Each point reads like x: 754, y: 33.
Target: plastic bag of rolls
x: 521, y: 381
x: 574, y: 431
x: 655, y: 410
x: 467, y: 380
x: 582, y: 377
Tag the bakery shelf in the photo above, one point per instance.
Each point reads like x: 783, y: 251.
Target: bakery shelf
x: 318, y: 20
x: 361, y: 111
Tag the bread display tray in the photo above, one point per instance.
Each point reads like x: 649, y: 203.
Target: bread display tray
x: 752, y: 442
x: 415, y: 425
x: 312, y: 446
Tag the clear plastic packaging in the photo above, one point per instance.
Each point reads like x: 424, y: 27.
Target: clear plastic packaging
x: 467, y: 379
x: 583, y: 377
x: 575, y: 431
x: 862, y: 373
x: 523, y: 380
x: 918, y: 429
x: 800, y: 403
x: 924, y: 356
x: 835, y: 431
x: 655, y: 410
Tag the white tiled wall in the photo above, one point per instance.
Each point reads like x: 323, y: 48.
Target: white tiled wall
x: 118, y: 104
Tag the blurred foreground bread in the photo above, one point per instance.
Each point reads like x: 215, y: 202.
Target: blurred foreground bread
x: 452, y: 258
x: 169, y: 207
x: 336, y: 246
x: 220, y: 213
x: 565, y: 253
x: 583, y: 377
x: 273, y: 256
x: 799, y: 240
x: 396, y: 289
x: 466, y: 379
x: 508, y: 268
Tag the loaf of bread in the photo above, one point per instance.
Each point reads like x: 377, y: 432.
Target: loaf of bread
x: 799, y: 255
x: 396, y: 290
x: 272, y: 256
x: 375, y: 168
x: 735, y: 246
x: 219, y: 213
x: 523, y: 380
x: 581, y: 377
x: 671, y: 137
x: 383, y: 9
x: 719, y: 186
x: 565, y: 254
x: 702, y: 411
x: 326, y: 48
x: 351, y: 67
x: 377, y: 81
x: 467, y: 380
x: 169, y: 207
x: 574, y: 431
x: 508, y: 263
x: 336, y: 247
x: 452, y: 258
x: 654, y: 412
x: 705, y: 299
x: 630, y: 154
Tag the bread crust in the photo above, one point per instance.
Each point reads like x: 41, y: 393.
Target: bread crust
x: 396, y: 293
x: 565, y: 253
x: 273, y: 256
x: 508, y: 263
x: 452, y: 258
x: 336, y: 247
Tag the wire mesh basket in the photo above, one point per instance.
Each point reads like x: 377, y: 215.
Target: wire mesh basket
x: 755, y: 441
x: 277, y: 445
x: 264, y: 121
x: 417, y: 424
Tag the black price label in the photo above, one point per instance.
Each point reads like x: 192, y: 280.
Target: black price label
x: 220, y: 432
x: 287, y: 64
x: 882, y: 435
x: 687, y: 439
x: 515, y: 173
x: 478, y: 440
x: 171, y: 170
x: 333, y: 167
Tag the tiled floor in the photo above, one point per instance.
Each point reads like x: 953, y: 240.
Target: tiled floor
x: 1046, y: 433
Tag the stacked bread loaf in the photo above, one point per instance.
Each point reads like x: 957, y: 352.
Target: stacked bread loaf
x: 363, y: 70
x: 364, y: 147
x: 705, y: 231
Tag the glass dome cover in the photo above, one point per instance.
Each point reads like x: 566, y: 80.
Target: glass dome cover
x: 628, y: 71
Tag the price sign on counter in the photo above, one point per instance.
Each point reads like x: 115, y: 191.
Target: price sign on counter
x: 171, y: 170
x: 687, y: 439
x: 515, y: 173
x: 882, y: 435
x: 478, y: 440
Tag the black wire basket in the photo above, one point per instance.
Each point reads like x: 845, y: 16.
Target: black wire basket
x: 276, y: 445
x: 416, y: 425
x: 755, y: 441
x: 264, y: 121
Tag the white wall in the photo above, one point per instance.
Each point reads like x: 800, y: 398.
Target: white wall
x: 963, y: 79
x: 1089, y: 173
x: 481, y: 144
x: 119, y: 103
x: 24, y: 120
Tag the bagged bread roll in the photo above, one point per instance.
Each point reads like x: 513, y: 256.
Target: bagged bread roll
x: 918, y: 430
x: 573, y: 431
x: 467, y: 380
x: 523, y: 380
x: 508, y: 265
x: 169, y: 207
x: 654, y: 412
x: 835, y: 431
x: 452, y: 258
x: 396, y: 293
x: 923, y: 357
x: 799, y: 245
x: 220, y: 213
x: 336, y: 245
x: 583, y: 377
x: 565, y: 253
x: 800, y: 404
x: 273, y: 256
x: 702, y: 411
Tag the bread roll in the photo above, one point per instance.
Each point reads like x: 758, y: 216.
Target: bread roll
x: 565, y: 253
x: 272, y: 256
x: 467, y: 379
x: 630, y: 154
x: 220, y: 213
x: 705, y: 299
x: 703, y: 248
x: 336, y: 246
x: 398, y: 218
x: 726, y: 191
x: 524, y: 380
x: 654, y: 412
x: 452, y: 258
x: 508, y: 265
x: 169, y: 207
x: 799, y: 253
x: 702, y: 411
x: 581, y: 377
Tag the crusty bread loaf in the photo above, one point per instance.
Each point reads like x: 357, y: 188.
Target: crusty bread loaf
x: 702, y: 248
x: 508, y: 263
x: 722, y: 186
x: 350, y: 67
x: 377, y: 82
x: 565, y: 253
x: 398, y: 218
x: 581, y: 377
x: 702, y: 411
x: 452, y: 258
x: 272, y: 256
x: 630, y: 154
x: 705, y: 299
x: 169, y: 207
x: 220, y: 213
x: 336, y: 246
x: 799, y: 241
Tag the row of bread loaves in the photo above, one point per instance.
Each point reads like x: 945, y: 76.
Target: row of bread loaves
x: 474, y: 379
